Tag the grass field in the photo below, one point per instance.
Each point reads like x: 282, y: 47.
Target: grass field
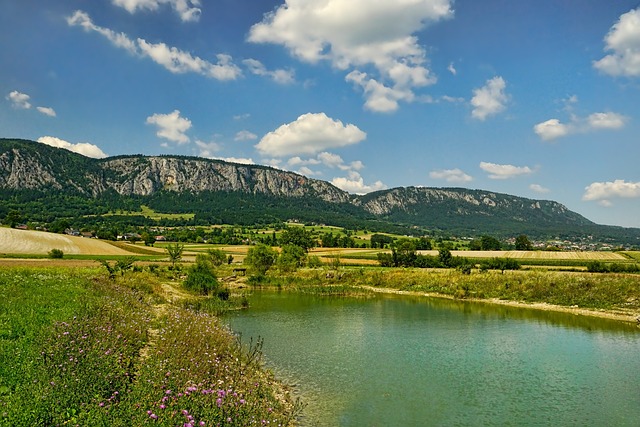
x: 77, y: 348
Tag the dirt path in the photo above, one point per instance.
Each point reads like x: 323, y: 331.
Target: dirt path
x: 620, y: 314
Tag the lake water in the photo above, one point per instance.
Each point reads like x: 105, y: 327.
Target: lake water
x: 413, y: 361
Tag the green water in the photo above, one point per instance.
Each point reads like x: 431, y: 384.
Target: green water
x: 407, y: 361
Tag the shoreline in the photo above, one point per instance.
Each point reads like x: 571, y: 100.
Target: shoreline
x: 542, y: 306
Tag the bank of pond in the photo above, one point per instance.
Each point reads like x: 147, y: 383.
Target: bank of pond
x: 81, y: 347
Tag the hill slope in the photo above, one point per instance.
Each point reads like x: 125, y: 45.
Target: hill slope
x: 48, y: 183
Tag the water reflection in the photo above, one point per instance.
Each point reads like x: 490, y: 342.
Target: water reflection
x: 400, y: 360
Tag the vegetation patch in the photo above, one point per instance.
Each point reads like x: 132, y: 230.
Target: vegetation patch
x: 80, y: 348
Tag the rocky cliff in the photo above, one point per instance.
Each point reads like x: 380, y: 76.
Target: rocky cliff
x: 29, y: 165
x: 219, y: 191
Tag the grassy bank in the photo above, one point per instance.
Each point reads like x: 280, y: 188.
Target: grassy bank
x: 77, y: 348
x: 612, y: 292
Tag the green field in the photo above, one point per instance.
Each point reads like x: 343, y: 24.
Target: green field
x: 77, y: 348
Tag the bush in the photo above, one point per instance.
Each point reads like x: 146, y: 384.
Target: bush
x: 200, y: 277
x: 55, y: 254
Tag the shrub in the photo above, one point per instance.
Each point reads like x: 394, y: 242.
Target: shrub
x: 55, y: 254
x: 200, y: 277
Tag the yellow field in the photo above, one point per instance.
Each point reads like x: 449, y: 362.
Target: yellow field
x: 533, y: 255
x: 14, y: 241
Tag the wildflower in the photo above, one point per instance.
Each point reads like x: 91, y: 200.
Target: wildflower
x: 163, y: 406
x: 153, y: 416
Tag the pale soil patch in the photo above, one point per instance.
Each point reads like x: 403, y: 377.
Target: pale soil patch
x: 542, y: 255
x: 14, y: 241
x: 618, y: 314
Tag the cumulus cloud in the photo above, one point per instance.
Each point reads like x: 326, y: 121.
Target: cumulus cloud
x: 452, y: 69
x: 354, y: 183
x: 171, y: 126
x: 553, y: 128
x: 539, y: 189
x: 245, y: 135
x: 186, y: 9
x: 240, y: 160
x: 454, y: 176
x: 19, y: 100
x: 47, y: 111
x: 353, y: 34
x: 490, y: 99
x: 496, y: 171
x: 173, y: 59
x: 84, y: 148
x: 279, y: 76
x: 623, y: 43
x: 207, y: 149
x: 311, y: 133
x: 379, y: 98
x: 602, y: 192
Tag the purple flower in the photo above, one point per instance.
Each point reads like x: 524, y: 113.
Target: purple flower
x: 153, y: 416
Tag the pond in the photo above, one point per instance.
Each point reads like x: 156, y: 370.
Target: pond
x: 414, y: 361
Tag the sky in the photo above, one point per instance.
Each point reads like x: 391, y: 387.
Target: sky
x: 535, y: 98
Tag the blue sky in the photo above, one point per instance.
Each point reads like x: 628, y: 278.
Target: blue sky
x: 536, y: 98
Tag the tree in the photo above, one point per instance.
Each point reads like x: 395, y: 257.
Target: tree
x: 523, y: 243
x: 148, y: 238
x: 13, y: 218
x: 490, y: 243
x: 291, y: 258
x: 404, y: 253
x: 174, y: 251
x: 218, y: 257
x: 298, y: 236
x: 260, y: 258
x: 445, y: 257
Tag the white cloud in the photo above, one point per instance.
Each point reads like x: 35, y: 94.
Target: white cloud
x: 623, y: 41
x: 606, y: 121
x: 121, y: 40
x: 19, y: 100
x: 245, y: 135
x: 496, y: 171
x: 539, y: 188
x: 451, y: 175
x: 240, y: 160
x: 171, y: 126
x: 304, y: 170
x: 84, y: 148
x: 207, y: 149
x: 47, y: 111
x: 354, y: 183
x: 279, y: 76
x: 171, y: 58
x: 603, y: 191
x: 452, y: 69
x: 241, y: 116
x: 353, y: 34
x: 553, y: 128
x: 187, y: 9
x: 311, y: 133
x: 490, y: 99
x: 379, y: 98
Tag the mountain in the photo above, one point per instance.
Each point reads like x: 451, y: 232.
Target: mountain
x: 48, y: 183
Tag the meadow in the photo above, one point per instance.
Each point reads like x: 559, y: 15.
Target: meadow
x: 79, y: 348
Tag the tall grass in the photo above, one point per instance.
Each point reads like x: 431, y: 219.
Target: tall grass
x: 589, y: 290
x: 82, y: 349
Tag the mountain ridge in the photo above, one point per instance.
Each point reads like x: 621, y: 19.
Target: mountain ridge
x: 212, y: 187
